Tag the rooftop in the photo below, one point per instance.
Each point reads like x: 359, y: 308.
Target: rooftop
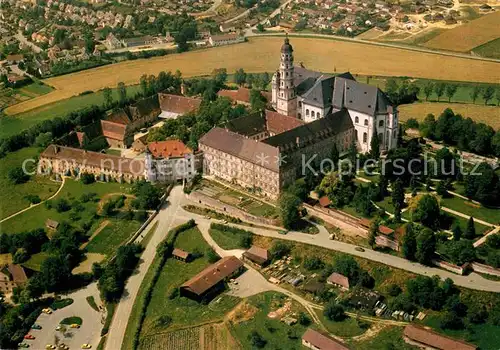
x: 178, y: 104
x: 169, y: 149
x: 435, y: 340
x: 322, y: 341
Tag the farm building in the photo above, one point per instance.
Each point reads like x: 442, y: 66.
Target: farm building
x: 226, y: 39
x: 256, y: 255
x: 174, y: 105
x: 428, y: 339
x: 11, y: 276
x: 181, y: 255
x: 209, y: 282
x: 242, y: 95
x: 51, y: 224
x: 317, y: 340
x: 338, y: 280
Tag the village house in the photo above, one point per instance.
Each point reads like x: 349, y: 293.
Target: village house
x: 257, y: 256
x: 12, y: 276
x: 317, y: 340
x: 338, y: 280
x: 428, y: 339
x: 170, y: 161
x: 174, y: 105
x: 225, y: 39
x: 211, y: 281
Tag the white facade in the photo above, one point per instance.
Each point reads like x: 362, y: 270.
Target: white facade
x: 170, y: 169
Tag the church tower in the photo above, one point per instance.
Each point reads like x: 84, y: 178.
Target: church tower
x: 283, y: 95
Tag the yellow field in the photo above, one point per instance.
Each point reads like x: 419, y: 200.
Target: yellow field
x: 262, y: 54
x: 468, y: 36
x: 485, y: 114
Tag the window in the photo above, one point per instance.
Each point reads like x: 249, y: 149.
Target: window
x: 356, y: 135
x: 366, y: 122
x: 307, y: 112
x: 300, y: 115
x: 300, y: 103
x: 356, y: 120
x: 312, y: 114
x: 381, y: 123
x: 381, y: 137
x: 365, y: 137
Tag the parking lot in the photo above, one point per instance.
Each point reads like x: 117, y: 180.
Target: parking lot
x: 88, y: 333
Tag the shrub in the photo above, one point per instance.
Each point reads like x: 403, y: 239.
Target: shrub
x: 87, y: 178
x: 334, y: 312
x: 140, y: 215
x: 212, y: 256
x: 62, y: 205
x: 257, y: 340
x: 33, y: 199
x: 394, y: 290
x: 304, y: 319
x: 17, y: 176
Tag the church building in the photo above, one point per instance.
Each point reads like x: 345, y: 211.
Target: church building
x: 309, y: 96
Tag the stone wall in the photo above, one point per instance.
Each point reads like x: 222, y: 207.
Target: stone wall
x: 450, y: 267
x: 481, y: 268
x: 215, y: 204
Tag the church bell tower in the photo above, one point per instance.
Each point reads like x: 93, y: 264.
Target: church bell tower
x: 284, y: 98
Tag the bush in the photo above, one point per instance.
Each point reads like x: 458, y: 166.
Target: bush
x: 87, y: 178
x: 313, y: 263
x: 17, y: 176
x: 212, y: 256
x: 304, y: 319
x: 89, y: 197
x: 257, y: 340
x: 61, y: 303
x: 33, y: 199
x: 62, y: 205
x: 394, y: 290
x: 334, y: 312
x: 140, y: 215
x: 279, y: 250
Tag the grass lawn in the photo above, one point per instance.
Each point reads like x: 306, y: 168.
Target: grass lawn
x: 388, y: 338
x: 149, y: 235
x: 72, y: 190
x: 35, y: 262
x: 35, y: 89
x: 485, y: 336
x: 12, y: 124
x: 72, y: 320
x: 12, y: 197
x: 114, y: 152
x: 229, y: 239
x: 349, y: 327
x: 112, y: 236
x: 61, y: 303
x: 372, y: 177
x: 490, y: 49
x: 468, y: 208
x: 277, y: 334
x: 90, y: 299
x: 183, y: 311
x: 480, y: 229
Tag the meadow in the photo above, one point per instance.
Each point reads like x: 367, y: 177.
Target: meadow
x: 466, y: 37
x: 480, y: 113
x: 13, y: 196
x: 262, y: 54
x: 10, y: 124
x: 490, y: 49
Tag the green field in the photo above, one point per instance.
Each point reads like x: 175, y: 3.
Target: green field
x: 227, y: 240
x: 72, y: 191
x: 10, y: 125
x: 349, y: 327
x: 490, y: 49
x: 388, y: 338
x: 468, y: 208
x: 277, y: 334
x: 35, y: 261
x: 12, y: 197
x: 11, y: 96
x: 112, y: 236
x: 486, y: 336
x: 183, y: 311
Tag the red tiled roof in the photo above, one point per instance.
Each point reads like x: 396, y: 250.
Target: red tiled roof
x: 365, y: 222
x: 278, y: 123
x: 257, y: 254
x: 337, y: 278
x: 118, y: 117
x: 178, y: 104
x: 80, y: 136
x: 213, y: 274
x: 113, y: 130
x: 322, y: 341
x: 180, y: 253
x: 435, y: 340
x: 385, y: 230
x: 17, y: 273
x: 169, y: 149
x: 94, y: 159
x: 241, y: 95
x: 325, y: 201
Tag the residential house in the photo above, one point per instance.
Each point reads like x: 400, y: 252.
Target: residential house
x: 338, y: 280
x: 12, y: 276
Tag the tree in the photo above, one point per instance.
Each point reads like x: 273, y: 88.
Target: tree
x: 460, y: 252
x: 495, y: 143
x: 428, y: 211
x: 289, y: 209
x: 220, y: 76
x: 334, y: 312
x: 335, y: 156
x: 426, y: 246
x: 375, y: 146
x: 122, y: 94
x: 372, y: 233
x: 409, y: 243
x: 108, y: 97
x: 398, y: 194
x: 492, y: 241
x: 240, y: 77
x: 470, y: 231
x: 144, y: 84
x: 497, y: 96
x: 362, y: 201
x: 55, y: 273
x: 394, y: 290
x: 474, y: 94
x: 43, y: 139
x: 17, y: 176
x: 428, y: 89
x: 304, y: 319
x: 257, y: 340
x: 383, y: 183
x: 257, y: 101
x: 488, y: 94
x: 212, y: 256
x: 440, y: 88
x: 260, y: 28
x: 457, y: 232
x: 87, y: 178
x: 441, y: 189
x: 451, y: 90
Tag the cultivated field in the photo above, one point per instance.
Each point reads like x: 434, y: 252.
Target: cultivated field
x: 468, y: 36
x: 262, y: 54
x: 490, y: 49
x: 486, y: 114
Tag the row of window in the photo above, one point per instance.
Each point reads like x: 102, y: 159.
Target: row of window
x: 380, y: 123
x: 317, y: 114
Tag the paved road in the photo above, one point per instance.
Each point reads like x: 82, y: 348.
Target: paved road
x: 19, y: 36
x: 167, y: 218
x: 472, y: 281
x: 89, y: 332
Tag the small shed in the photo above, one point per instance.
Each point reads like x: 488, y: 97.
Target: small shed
x: 256, y: 255
x: 181, y: 255
x: 339, y: 280
x: 51, y: 224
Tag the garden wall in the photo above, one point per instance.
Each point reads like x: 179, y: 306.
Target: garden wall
x: 481, y: 268
x: 450, y: 267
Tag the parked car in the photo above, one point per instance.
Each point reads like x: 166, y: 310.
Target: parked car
x: 86, y: 346
x: 50, y: 346
x: 59, y: 327
x: 23, y: 345
x: 47, y: 311
x: 282, y: 232
x: 359, y: 249
x: 36, y: 326
x: 63, y: 346
x: 29, y: 336
x: 74, y: 325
